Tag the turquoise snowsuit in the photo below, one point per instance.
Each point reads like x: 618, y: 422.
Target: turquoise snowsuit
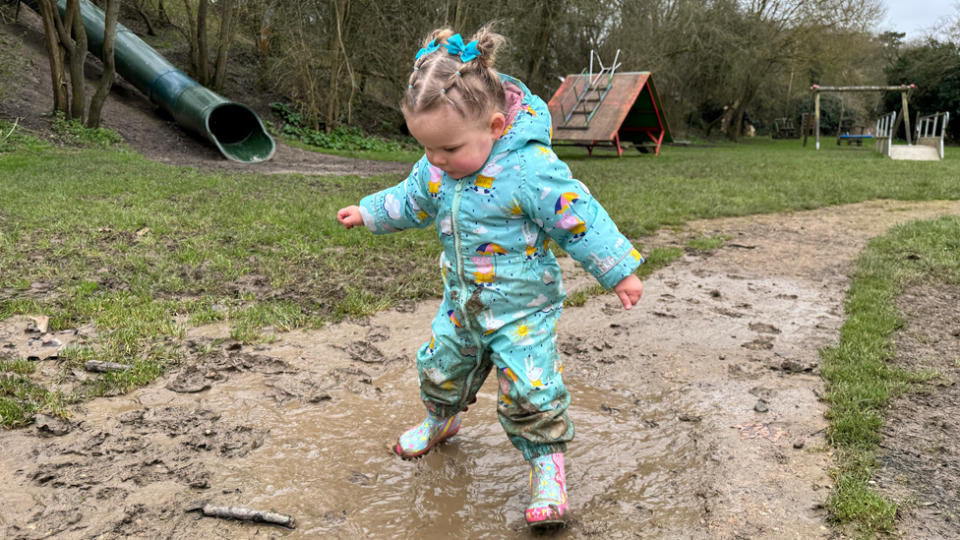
x: 502, y: 288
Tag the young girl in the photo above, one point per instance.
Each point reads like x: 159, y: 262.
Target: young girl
x: 498, y: 195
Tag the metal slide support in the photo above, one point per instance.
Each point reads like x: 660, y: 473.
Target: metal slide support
x: 592, y: 84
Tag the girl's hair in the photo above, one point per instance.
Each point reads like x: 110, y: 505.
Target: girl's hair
x: 471, y: 88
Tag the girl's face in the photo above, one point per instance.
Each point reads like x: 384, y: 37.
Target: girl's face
x: 456, y: 145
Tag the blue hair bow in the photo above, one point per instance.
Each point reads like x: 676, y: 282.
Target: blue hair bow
x: 432, y: 46
x: 466, y: 52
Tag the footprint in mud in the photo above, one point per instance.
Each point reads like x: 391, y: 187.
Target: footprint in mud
x: 762, y: 343
x: 764, y: 328
x: 378, y: 333
x: 210, y: 368
x: 366, y: 352
x: 300, y: 387
x: 190, y: 380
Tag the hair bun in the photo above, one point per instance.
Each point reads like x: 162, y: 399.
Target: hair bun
x: 488, y: 42
x: 440, y: 35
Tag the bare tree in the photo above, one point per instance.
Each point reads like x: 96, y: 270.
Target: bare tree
x: 55, y: 54
x: 65, y: 38
x: 109, y: 64
x: 228, y: 12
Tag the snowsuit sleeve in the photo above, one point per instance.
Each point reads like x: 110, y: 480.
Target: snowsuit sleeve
x: 566, y: 211
x: 407, y: 205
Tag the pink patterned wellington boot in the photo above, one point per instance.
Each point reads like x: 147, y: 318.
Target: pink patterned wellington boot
x: 419, y: 440
x: 548, y: 491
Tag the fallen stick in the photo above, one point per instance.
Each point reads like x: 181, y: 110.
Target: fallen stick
x: 15, y: 122
x: 104, y: 367
x: 241, y: 513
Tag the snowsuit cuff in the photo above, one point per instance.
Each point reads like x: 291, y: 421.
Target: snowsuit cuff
x: 370, y: 207
x: 613, y: 269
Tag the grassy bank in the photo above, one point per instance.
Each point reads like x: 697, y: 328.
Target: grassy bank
x: 140, y: 250
x: 861, y: 381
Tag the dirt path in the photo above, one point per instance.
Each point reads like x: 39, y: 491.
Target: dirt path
x: 697, y: 415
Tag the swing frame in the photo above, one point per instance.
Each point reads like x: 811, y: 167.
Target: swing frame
x: 904, y: 115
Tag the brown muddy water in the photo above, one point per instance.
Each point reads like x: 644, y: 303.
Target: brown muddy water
x: 329, y: 464
x: 697, y: 415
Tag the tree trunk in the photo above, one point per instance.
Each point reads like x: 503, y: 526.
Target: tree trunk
x: 728, y: 117
x: 48, y: 13
x: 109, y: 63
x: 78, y: 53
x: 191, y: 35
x: 336, y: 66
x: 735, y: 127
x: 263, y: 39
x: 203, y: 67
x: 549, y: 11
x: 162, y: 12
x: 341, y: 21
x: 227, y: 14
x: 151, y: 31
x: 460, y: 18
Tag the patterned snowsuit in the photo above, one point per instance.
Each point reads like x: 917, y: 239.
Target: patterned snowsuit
x: 502, y: 288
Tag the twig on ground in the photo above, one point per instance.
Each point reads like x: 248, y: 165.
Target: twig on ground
x: 104, y: 367
x: 241, y: 513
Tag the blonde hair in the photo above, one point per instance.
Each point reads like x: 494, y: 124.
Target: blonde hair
x: 472, y: 88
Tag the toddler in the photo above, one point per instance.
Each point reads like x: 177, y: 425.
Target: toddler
x: 498, y: 195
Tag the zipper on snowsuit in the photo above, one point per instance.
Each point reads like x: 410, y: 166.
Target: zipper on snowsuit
x: 462, y: 297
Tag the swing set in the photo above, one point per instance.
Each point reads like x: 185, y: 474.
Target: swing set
x: 847, y: 131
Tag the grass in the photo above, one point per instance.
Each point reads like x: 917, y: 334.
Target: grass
x: 860, y: 378
x: 707, y: 243
x: 99, y: 235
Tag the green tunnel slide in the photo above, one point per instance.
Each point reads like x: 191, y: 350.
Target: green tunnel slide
x: 234, y: 128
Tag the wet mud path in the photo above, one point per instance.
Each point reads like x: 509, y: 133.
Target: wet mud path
x: 697, y: 414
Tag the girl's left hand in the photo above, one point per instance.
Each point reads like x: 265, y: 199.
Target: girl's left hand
x: 630, y: 289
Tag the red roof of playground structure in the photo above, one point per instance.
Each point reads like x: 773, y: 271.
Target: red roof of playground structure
x: 630, y: 111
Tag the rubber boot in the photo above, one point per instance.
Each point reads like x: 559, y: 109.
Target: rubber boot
x: 548, y: 491
x: 419, y: 440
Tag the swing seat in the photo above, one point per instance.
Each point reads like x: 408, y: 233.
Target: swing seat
x: 854, y: 139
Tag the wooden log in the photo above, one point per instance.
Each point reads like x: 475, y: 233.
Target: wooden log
x: 900, y: 88
x: 104, y: 367
x: 242, y: 513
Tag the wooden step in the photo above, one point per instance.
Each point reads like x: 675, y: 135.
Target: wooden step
x: 914, y: 153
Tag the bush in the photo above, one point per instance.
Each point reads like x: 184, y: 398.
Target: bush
x: 74, y: 132
x: 340, y: 138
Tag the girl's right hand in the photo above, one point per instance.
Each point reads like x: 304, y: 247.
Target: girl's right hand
x: 350, y: 217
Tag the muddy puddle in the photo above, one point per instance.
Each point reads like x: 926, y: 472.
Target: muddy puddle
x: 698, y: 415
x: 329, y: 464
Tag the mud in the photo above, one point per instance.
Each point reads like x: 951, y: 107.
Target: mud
x: 920, y: 464
x: 697, y: 415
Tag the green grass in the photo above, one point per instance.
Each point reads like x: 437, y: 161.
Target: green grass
x: 861, y: 381
x: 644, y: 193
x: 706, y: 243
x: 140, y: 250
